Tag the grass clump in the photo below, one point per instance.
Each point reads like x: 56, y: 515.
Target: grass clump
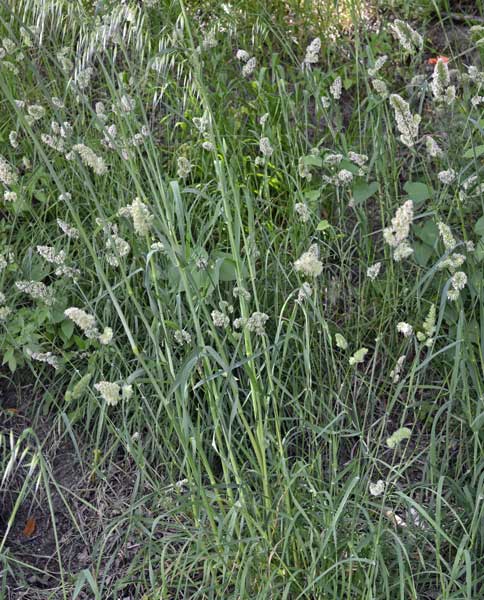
x: 241, y: 267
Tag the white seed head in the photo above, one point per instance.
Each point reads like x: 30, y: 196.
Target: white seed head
x: 447, y: 177
x: 91, y: 159
x: 219, y: 319
x: 446, y: 235
x: 110, y: 392
x: 405, y: 329
x: 184, y: 167
x: 37, y: 290
x: 8, y: 174
x: 407, y: 124
x: 409, y: 39
x: 373, y: 271
x: 249, y: 67
x: 302, y: 211
x: 265, y: 147
x: 256, y: 323
x: 106, y: 336
x: 377, y: 489
x: 380, y: 87
x: 336, y: 88
x: 309, y: 262
x: 85, y: 321
x: 242, y: 55
x: 312, y: 53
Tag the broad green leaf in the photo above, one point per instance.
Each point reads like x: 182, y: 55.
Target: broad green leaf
x: 474, y: 152
x: 418, y: 191
x: 362, y: 191
x: 422, y: 253
x: 479, y: 253
x: 323, y: 225
x: 312, y: 161
x: 428, y: 233
x: 479, y: 227
x: 312, y: 195
x: 226, y: 268
x: 67, y: 328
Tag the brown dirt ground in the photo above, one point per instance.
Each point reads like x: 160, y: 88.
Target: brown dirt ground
x: 78, y: 511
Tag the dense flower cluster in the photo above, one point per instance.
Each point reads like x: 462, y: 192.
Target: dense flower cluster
x: 396, y: 235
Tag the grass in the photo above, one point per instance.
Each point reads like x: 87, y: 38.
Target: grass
x: 235, y: 459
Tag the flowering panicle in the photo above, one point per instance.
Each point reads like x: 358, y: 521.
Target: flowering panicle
x: 140, y: 215
x: 58, y: 258
x: 380, y: 61
x: 377, y: 489
x: 380, y: 87
x: 358, y: 357
x: 125, y: 105
x: 91, y: 159
x: 9, y: 196
x: 396, y: 371
x: 332, y: 159
x: 312, y: 54
x: 4, y: 310
x: 340, y: 341
x: 242, y: 55
x: 427, y: 335
x: 209, y: 39
x: 304, y: 169
x: 241, y: 292
x: 305, y: 292
x: 265, y: 147
x: 45, y: 357
x: 184, y: 167
x: 117, y: 248
x: 70, y: 232
x: 458, y: 281
x: 85, y: 321
x: 51, y: 255
x: 433, y: 149
x: 446, y: 234
x: 336, y: 88
x: 256, y: 323
x: 344, y: 177
x: 396, y: 235
x: 409, y: 39
x: 37, y: 290
x: 109, y: 392
x: 54, y: 142
x: 407, y: 124
x: 358, y: 159
x: 201, y: 123
x: 110, y: 133
x: 219, y: 319
x: 309, y: 263
x: 302, y: 211
x: 106, y: 336
x: 442, y: 91
x: 35, y: 112
x: 13, y: 139
x: 249, y: 67
x: 373, y: 271
x: 8, y: 175
x: 405, y: 329
x: 447, y: 177
x: 182, y: 337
